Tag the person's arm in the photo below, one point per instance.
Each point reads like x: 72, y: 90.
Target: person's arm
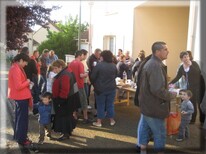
x: 178, y: 76
x: 116, y: 72
x: 190, y: 108
x: 52, y: 75
x: 55, y: 88
x: 88, y: 81
x: 157, y: 82
x: 83, y: 74
x: 94, y: 74
x: 19, y: 84
x: 126, y: 69
x: 196, y: 66
x: 89, y: 65
x: 61, y: 87
x: 132, y: 61
x: 56, y: 57
x: 64, y: 87
x: 203, y: 107
x: 33, y: 67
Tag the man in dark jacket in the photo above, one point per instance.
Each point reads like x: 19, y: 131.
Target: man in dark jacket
x: 31, y: 68
x: 93, y: 60
x: 154, y: 99
x: 91, y: 63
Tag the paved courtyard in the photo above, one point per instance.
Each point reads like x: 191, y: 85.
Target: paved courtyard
x: 86, y: 138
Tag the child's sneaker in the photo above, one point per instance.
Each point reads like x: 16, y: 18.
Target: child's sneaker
x: 179, y: 139
x: 48, y: 135
x: 41, y: 142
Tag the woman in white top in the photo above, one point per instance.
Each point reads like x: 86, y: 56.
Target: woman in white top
x: 191, y: 72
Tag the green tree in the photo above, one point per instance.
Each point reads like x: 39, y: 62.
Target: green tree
x: 20, y: 19
x: 65, y: 41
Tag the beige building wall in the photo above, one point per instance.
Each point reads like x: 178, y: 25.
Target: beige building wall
x: 161, y: 23
x: 41, y: 34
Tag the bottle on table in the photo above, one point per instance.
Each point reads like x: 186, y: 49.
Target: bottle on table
x: 124, y: 77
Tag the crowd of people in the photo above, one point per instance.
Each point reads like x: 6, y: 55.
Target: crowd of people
x: 58, y: 92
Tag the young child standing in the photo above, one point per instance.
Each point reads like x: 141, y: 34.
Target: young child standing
x: 50, y: 78
x: 44, y: 109
x: 187, y: 110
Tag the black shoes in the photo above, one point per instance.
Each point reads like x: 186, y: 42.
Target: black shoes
x: 138, y: 149
x: 40, y: 142
x: 63, y: 137
x: 87, y: 121
x: 27, y: 142
x: 192, y: 122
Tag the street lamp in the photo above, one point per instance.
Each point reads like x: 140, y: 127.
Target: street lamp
x: 91, y: 3
x: 79, y: 31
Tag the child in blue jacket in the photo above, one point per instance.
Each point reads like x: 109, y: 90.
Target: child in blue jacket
x: 44, y: 108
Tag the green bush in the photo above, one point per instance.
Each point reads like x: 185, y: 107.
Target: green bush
x: 64, y: 41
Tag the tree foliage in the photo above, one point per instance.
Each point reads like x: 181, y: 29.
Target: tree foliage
x: 65, y: 41
x: 20, y: 19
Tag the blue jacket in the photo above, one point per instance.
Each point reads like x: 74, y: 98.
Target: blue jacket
x: 44, y: 113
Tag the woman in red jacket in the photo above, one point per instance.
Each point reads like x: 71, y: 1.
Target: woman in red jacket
x: 64, y: 99
x: 18, y: 90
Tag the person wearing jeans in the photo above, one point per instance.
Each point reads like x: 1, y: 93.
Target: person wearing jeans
x: 18, y: 90
x: 103, y: 78
x: 154, y: 99
x: 155, y: 125
x: 105, y: 105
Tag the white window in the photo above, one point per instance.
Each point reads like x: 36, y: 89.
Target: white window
x: 109, y: 43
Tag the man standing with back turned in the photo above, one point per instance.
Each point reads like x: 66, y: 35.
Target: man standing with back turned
x: 154, y: 99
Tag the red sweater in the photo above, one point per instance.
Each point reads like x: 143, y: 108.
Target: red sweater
x: 18, y: 86
x: 77, y: 68
x: 61, y: 85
